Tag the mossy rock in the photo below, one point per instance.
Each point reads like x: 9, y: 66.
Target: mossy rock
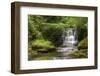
x: 42, y: 45
x: 83, y: 44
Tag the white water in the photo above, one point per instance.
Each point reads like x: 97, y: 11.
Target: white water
x: 69, y: 41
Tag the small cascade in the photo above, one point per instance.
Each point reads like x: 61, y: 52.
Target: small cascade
x: 69, y: 38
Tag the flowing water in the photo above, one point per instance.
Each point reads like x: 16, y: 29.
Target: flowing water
x: 69, y: 38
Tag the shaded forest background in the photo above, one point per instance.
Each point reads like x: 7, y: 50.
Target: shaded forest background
x: 44, y: 33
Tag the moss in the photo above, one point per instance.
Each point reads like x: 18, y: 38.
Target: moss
x: 83, y: 44
x: 42, y: 45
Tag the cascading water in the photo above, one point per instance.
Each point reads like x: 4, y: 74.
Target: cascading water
x: 69, y: 38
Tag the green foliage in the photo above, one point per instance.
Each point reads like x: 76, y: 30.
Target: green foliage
x: 83, y: 44
x: 77, y: 21
x: 33, y: 28
x: 53, y: 19
x: 42, y: 45
x: 39, y: 25
x: 53, y: 32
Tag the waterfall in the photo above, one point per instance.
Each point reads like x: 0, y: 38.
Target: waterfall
x: 69, y: 37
